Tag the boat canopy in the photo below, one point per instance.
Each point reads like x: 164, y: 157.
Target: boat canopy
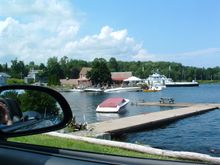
x: 133, y: 78
x: 112, y: 102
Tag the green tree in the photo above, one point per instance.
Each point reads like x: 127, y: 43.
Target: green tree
x: 54, y: 71
x: 38, y: 101
x: 5, y: 68
x: 75, y: 73
x: 42, y: 66
x: 100, y: 73
x: 63, y: 65
x: 18, y: 69
x: 113, y: 65
x: 1, y: 68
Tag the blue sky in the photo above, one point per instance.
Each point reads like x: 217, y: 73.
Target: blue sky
x: 157, y: 30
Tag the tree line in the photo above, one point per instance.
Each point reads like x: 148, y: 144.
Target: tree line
x: 56, y: 69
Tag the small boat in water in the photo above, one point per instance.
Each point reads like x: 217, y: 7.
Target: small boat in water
x: 75, y: 90
x: 93, y: 90
x: 157, y: 79
x: 70, y: 90
x: 153, y: 89
x: 112, y: 105
x: 122, y: 89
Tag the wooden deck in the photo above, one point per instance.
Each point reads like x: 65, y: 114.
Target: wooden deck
x: 148, y: 120
x: 165, y: 104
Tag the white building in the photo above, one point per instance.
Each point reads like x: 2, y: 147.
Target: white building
x: 3, y: 78
x: 32, y: 76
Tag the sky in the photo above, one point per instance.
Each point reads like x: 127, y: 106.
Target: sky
x: 186, y: 31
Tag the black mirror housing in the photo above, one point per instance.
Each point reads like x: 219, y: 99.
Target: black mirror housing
x: 30, y: 113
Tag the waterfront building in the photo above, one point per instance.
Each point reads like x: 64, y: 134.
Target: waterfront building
x: 119, y: 77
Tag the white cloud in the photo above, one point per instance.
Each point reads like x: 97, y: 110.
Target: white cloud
x: 108, y: 43
x: 200, y: 58
x: 203, y: 52
x: 35, y: 30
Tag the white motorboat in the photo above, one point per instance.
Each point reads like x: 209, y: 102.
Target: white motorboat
x: 71, y: 90
x: 75, y: 90
x: 157, y: 79
x: 112, y: 105
x: 153, y: 89
x: 123, y: 89
x: 93, y: 90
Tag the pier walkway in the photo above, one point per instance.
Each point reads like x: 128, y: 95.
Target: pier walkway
x: 165, y: 104
x: 149, y: 120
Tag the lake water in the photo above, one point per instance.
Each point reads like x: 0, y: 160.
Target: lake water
x: 198, y: 133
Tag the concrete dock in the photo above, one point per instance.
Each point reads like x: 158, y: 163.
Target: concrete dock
x: 164, y: 104
x: 149, y: 120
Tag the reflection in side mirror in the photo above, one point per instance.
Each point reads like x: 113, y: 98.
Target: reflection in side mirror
x: 30, y: 108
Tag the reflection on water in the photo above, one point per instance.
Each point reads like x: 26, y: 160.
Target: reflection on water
x: 198, y: 133
x: 107, y: 116
x: 111, y: 116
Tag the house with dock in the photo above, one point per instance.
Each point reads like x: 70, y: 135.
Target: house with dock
x: 81, y: 82
x: 84, y: 82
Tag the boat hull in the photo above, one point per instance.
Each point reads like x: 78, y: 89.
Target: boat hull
x: 93, y: 90
x: 182, y: 84
x: 151, y: 90
x: 123, y: 89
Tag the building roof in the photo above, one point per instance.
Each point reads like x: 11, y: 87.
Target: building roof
x: 84, y: 70
x: 132, y: 78
x: 120, y: 76
x: 2, y: 74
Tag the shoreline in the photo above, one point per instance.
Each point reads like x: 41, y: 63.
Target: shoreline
x: 180, y: 155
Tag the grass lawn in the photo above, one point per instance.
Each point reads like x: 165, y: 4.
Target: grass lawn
x: 46, y: 140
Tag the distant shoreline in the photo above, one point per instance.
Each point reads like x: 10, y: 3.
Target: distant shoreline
x: 209, y: 81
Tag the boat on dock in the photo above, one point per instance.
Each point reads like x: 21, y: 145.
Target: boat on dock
x: 112, y: 105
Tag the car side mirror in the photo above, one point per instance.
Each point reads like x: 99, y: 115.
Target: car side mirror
x: 27, y: 110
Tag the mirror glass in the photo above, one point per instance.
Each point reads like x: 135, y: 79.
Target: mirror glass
x: 22, y: 110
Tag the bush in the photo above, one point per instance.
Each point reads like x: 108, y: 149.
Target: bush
x: 15, y: 81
